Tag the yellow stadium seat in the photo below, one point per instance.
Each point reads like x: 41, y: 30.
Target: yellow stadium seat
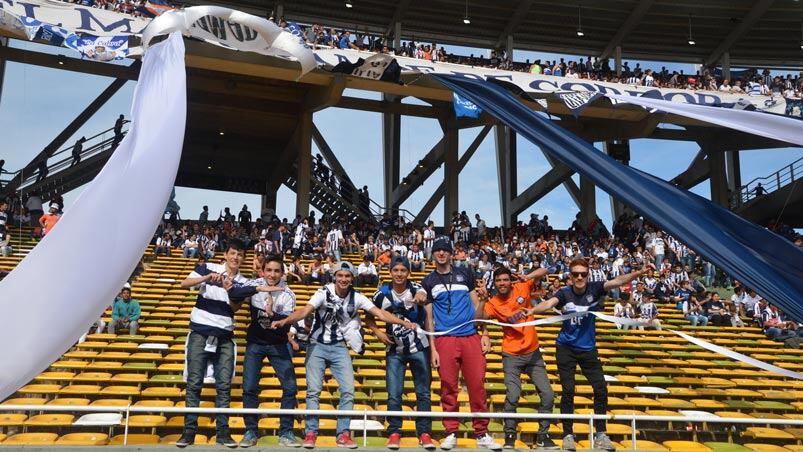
x: 146, y: 420
x: 31, y: 439
x: 135, y: 439
x: 69, y: 401
x: 758, y: 447
x: 178, y: 421
x: 110, y: 402
x: 766, y: 433
x: 50, y: 420
x: 160, y: 392
x: 157, y: 403
x: 685, y: 446
x: 26, y: 401
x: 3, y: 437
x: 12, y: 419
x: 40, y: 389
x: 170, y: 440
x: 643, y: 445
x: 120, y: 391
x: 83, y: 439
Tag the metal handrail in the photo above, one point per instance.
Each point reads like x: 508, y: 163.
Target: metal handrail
x: 632, y: 419
x: 64, y: 163
x: 771, y: 183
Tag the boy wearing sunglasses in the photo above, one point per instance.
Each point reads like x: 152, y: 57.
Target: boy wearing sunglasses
x: 576, y: 344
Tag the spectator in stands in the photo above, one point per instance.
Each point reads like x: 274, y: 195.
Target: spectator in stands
x: 520, y: 348
x: 190, y: 247
x: 43, y: 170
x: 454, y: 301
x: 263, y: 341
x: 244, y: 217
x: 48, y: 221
x: 716, y: 312
x: 208, y: 246
x: 336, y: 307
x: 429, y: 240
x: 295, y: 271
x: 77, y: 149
x: 736, y: 319
x: 5, y: 240
x: 317, y: 273
x: 694, y: 312
x: 682, y: 294
x: 34, y: 206
x: 163, y: 245
x: 125, y: 313
x: 367, y: 274
x: 334, y: 241
x: 405, y: 346
x: 118, y: 131
x: 300, y: 237
x: 576, y: 344
x: 416, y: 258
x: 624, y: 310
x: 648, y: 314
x: 3, y: 214
x: 211, y: 339
x: 203, y: 218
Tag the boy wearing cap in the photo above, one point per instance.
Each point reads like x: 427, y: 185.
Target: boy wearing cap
x: 404, y: 347
x: 336, y: 328
x: 48, y: 221
x: 454, y: 303
x: 520, y: 349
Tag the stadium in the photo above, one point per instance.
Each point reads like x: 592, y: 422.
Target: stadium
x: 399, y: 318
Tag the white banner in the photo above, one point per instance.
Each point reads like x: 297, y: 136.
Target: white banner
x: 11, y: 23
x: 77, y: 18
x: 232, y: 29
x: 100, y: 48
x: 40, y: 322
x: 547, y: 84
x: 373, y: 67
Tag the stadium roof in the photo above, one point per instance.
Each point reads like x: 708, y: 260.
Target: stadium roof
x: 756, y: 32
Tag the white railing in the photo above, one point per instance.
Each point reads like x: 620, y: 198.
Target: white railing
x: 127, y: 410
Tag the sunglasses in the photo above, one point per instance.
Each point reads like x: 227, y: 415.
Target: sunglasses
x: 579, y: 274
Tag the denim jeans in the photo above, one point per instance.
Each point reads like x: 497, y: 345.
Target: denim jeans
x: 659, y: 260
x: 422, y: 377
x: 223, y: 363
x: 190, y: 252
x: 282, y: 361
x: 336, y: 358
x: 697, y: 318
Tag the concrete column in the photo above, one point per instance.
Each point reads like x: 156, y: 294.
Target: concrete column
x: 506, y: 172
x: 391, y: 143
x: 734, y: 174
x: 397, y: 36
x: 726, y: 66
x: 451, y: 171
x: 719, y: 181
x: 304, y: 176
x: 621, y: 152
x: 3, y: 43
x: 279, y: 11
x: 509, y: 47
x: 617, y: 58
x: 268, y: 206
x: 588, y: 201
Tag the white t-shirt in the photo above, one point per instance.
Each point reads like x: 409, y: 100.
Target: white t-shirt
x: 657, y: 245
x: 336, y: 319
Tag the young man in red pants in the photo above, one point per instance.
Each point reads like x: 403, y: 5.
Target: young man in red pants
x: 453, y: 301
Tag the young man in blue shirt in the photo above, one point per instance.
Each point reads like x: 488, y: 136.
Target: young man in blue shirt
x: 576, y: 344
x: 454, y: 303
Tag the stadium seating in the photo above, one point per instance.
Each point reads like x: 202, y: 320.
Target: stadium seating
x: 649, y: 372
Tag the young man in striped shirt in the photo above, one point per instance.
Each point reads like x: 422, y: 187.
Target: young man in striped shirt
x: 335, y: 330
x: 404, y: 347
x: 210, y: 339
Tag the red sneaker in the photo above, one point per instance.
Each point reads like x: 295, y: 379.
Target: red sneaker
x: 344, y: 440
x: 425, y: 441
x: 394, y: 441
x: 309, y: 440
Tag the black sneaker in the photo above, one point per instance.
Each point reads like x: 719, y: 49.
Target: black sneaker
x: 545, y: 442
x: 225, y: 439
x: 510, y: 441
x: 187, y: 439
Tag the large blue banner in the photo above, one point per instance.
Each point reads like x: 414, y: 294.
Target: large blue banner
x: 764, y: 261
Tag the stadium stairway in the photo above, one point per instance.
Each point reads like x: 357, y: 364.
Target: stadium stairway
x: 648, y: 372
x: 330, y: 201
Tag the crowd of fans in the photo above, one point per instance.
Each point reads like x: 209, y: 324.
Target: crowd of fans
x: 136, y: 8
x: 683, y: 280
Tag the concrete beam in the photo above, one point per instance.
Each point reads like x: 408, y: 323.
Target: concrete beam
x: 328, y: 155
x: 719, y: 182
x: 756, y: 12
x: 568, y: 183
x: 545, y: 184
x: 506, y: 169
x: 398, y: 15
x: 588, y: 201
x: 320, y: 97
x: 630, y: 23
x: 130, y: 72
x: 698, y: 171
x: 451, y: 172
x: 3, y: 43
x: 398, y: 108
x: 518, y: 16
x: 433, y: 201
x: 278, y: 175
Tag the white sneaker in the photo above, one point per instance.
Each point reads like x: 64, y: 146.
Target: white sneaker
x: 449, y: 442
x: 486, y: 441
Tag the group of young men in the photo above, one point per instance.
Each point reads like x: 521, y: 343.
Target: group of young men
x: 428, y: 325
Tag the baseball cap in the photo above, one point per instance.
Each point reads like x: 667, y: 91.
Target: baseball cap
x: 344, y: 265
x: 400, y: 260
x: 442, y: 244
x: 127, y: 286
